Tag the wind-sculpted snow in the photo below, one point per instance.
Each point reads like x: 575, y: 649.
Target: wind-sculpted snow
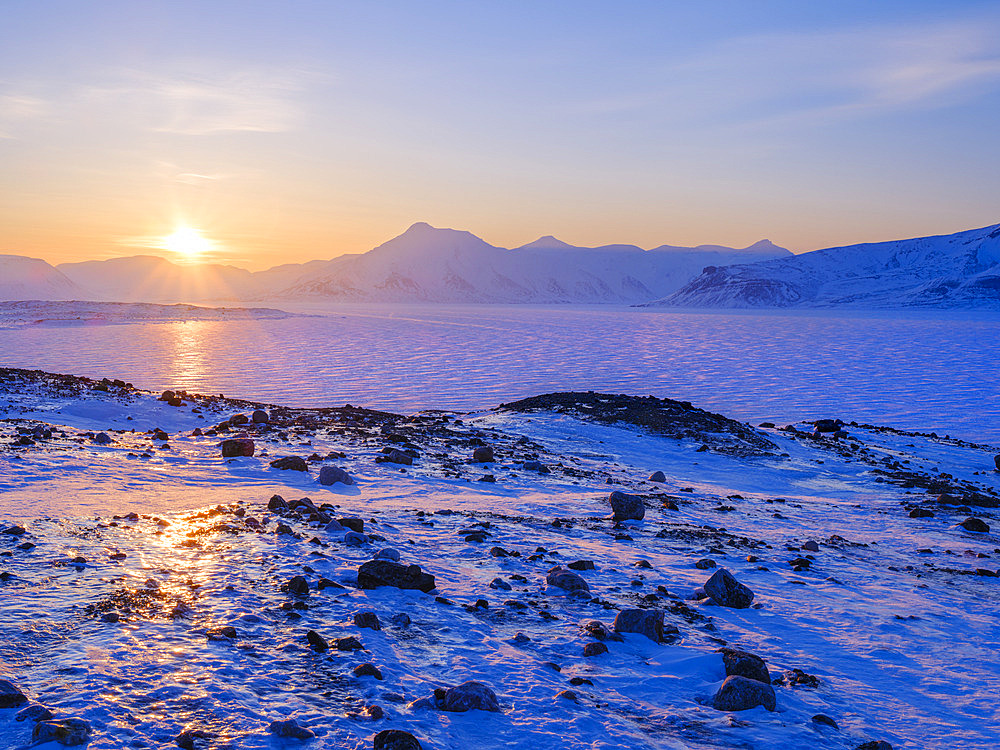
x: 952, y: 271
x: 151, y: 588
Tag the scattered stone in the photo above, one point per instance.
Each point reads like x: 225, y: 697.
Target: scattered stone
x: 10, y: 696
x: 14, y: 530
x: 874, y: 745
x: 594, y: 648
x: 705, y: 564
x: 192, y: 739
x: 67, y: 732
x: 395, y: 739
x: 975, y: 524
x: 921, y: 513
x: 367, y: 619
x: 368, y: 670
x: 329, y: 475
x: 298, y: 586
x: 657, y: 476
x: 996, y: 462
x: 797, y: 678
x: 354, y: 539
x: 317, y: 642
x: 626, y: 507
x: 396, y: 456
x: 483, y: 455
x: 103, y: 438
x: 565, y: 579
x: 744, y: 664
x: 290, y: 463
x: 226, y: 631
x: 811, y: 546
x: 235, y: 447
x: 567, y: 695
x: 277, y: 504
x: 741, y: 693
x: 468, y: 696
x: 501, y: 584
x: 726, y: 591
x: 34, y: 712
x: 290, y: 728
x: 647, y: 622
x: 824, y: 720
x: 375, y: 573
x: 581, y: 565
x: 260, y: 417
x: 353, y: 523
x: 387, y: 553
x: 401, y: 620
x: 350, y: 643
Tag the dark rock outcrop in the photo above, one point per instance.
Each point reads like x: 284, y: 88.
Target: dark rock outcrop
x: 376, y: 573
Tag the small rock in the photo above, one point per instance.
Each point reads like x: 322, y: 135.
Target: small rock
x: 975, y: 524
x: 741, y: 693
x: 470, y: 695
x: 811, y: 546
x: 192, y: 739
x: 581, y: 565
x: 235, y: 447
x: 657, y: 476
x: 387, y: 553
x: 277, y: 504
x: 367, y: 619
x: 626, y: 507
x: 376, y: 573
x: 350, y: 643
x: 298, y: 586
x: 705, y: 564
x: 396, y: 456
x: 647, y: 622
x: 67, y: 732
x: 317, y: 642
x: 290, y: 463
x: 260, y: 417
x: 483, y: 455
x: 594, y: 648
x: 290, y: 728
x: 874, y: 745
x: 103, y: 438
x: 354, y: 539
x: 825, y: 720
x: 368, y: 670
x: 401, y: 620
x: 353, y: 523
x: 565, y: 579
x: 921, y: 513
x: 501, y: 584
x: 744, y: 664
x: 10, y: 696
x: 726, y: 591
x: 34, y: 712
x: 395, y: 739
x: 567, y: 695
x: 329, y: 475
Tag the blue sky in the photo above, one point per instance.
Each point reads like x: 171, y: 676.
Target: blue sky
x: 293, y: 130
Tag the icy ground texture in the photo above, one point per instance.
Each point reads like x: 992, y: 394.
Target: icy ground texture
x: 903, y: 642
x: 921, y: 371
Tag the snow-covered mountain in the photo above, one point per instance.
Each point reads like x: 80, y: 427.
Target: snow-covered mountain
x: 147, y: 278
x: 446, y: 265
x: 24, y: 278
x: 955, y: 270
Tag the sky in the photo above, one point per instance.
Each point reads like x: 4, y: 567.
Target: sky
x: 286, y: 131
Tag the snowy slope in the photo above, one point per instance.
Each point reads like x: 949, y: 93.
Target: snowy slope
x: 957, y: 270
x: 445, y: 265
x: 147, y: 278
x: 24, y: 278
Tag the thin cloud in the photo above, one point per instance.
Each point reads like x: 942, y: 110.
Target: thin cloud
x: 17, y: 109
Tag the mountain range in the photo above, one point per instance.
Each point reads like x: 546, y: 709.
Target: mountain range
x: 957, y: 270
x: 424, y: 264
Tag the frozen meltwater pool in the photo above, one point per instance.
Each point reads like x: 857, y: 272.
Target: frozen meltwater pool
x: 915, y: 370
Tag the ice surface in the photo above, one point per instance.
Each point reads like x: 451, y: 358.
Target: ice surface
x: 922, y: 371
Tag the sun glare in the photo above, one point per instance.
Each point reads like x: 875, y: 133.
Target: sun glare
x: 187, y: 242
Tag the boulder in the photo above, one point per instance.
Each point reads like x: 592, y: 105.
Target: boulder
x: 647, y: 622
x: 10, y: 696
x: 376, y: 573
x: 594, y: 648
x: 34, y: 712
x: 353, y: 523
x: 298, y: 586
x: 626, y: 507
x: 566, y: 579
x: 468, y: 696
x: 277, y: 503
x: 657, y: 476
x: 316, y: 641
x: 395, y: 739
x: 741, y: 693
x: 725, y: 590
x: 483, y: 455
x: 103, y: 438
x: 290, y: 463
x: 581, y: 565
x: 367, y: 670
x: 744, y: 664
x: 235, y: 447
x: 975, y: 524
x: 333, y: 474
x: 367, y: 619
x: 260, y: 417
x: 238, y: 419
x: 67, y: 732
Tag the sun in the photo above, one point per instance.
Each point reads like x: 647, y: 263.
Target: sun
x: 187, y: 242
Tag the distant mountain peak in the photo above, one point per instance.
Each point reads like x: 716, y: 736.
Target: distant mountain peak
x: 548, y: 242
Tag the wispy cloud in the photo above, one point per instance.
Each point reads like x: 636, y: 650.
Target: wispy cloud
x: 846, y: 73
x: 17, y: 109
x: 206, y: 104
